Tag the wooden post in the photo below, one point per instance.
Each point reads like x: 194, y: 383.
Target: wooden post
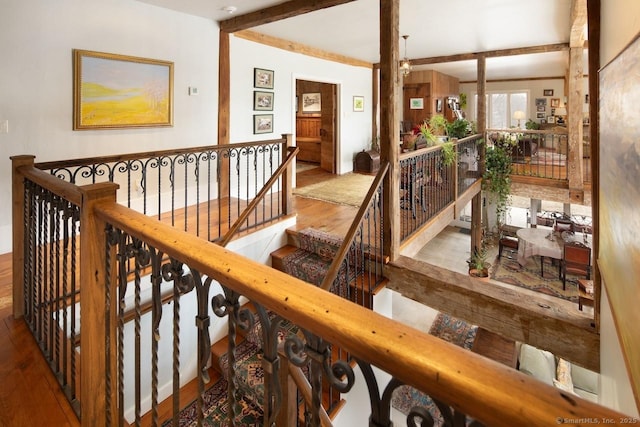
x: 476, y: 206
x: 17, y: 227
x: 375, y: 102
x: 574, y: 125
x: 287, y: 207
x: 390, y: 122
x: 94, y: 312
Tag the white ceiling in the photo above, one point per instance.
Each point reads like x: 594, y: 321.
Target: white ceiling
x: 435, y: 28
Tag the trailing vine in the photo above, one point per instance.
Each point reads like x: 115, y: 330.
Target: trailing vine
x: 496, y: 179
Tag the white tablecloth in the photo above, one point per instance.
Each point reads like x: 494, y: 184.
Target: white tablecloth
x: 533, y: 241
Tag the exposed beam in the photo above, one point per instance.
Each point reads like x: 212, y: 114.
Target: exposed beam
x: 558, y: 328
x: 300, y: 48
x: 276, y: 13
x: 492, y: 53
x: 578, y: 23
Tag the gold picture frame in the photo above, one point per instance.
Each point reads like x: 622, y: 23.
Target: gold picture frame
x: 113, y: 91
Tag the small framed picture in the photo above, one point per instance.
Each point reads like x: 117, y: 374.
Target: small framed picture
x: 551, y: 119
x: 547, y: 92
x: 262, y: 101
x: 439, y: 105
x: 539, y: 115
x: 262, y: 78
x: 540, y: 108
x: 311, y: 102
x: 358, y: 103
x: 416, y: 103
x: 263, y: 123
x: 541, y: 102
x: 555, y: 102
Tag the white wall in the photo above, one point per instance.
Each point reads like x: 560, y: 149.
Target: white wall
x: 354, y: 128
x: 620, y: 23
x: 36, y: 86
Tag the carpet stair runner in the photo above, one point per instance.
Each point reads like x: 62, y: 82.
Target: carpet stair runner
x: 309, y: 255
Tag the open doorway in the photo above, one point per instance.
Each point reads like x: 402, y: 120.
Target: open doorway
x: 316, y: 112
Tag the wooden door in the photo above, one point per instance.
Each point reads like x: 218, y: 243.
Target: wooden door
x: 327, y: 128
x: 415, y: 91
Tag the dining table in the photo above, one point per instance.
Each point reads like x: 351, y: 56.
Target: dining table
x: 544, y: 243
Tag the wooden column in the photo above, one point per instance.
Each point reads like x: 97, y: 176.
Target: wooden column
x: 574, y: 125
x: 593, y: 13
x: 375, y: 100
x: 224, y: 94
x: 390, y: 121
x: 481, y: 108
x: 17, y: 227
x: 94, y: 311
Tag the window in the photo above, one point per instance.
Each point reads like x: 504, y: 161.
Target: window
x: 500, y: 108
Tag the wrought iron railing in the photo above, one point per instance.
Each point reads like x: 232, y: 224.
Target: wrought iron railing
x: 201, y: 190
x: 120, y: 372
x: 428, y: 186
x: 534, y: 153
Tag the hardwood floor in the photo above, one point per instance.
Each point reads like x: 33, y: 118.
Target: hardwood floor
x: 30, y: 394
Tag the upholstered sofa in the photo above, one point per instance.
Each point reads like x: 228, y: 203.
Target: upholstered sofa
x: 557, y: 372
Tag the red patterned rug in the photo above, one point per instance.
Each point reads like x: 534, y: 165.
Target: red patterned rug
x: 450, y: 329
x: 508, y: 271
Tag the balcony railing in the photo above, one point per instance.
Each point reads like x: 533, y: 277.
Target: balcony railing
x: 428, y: 186
x: 212, y: 280
x: 192, y: 188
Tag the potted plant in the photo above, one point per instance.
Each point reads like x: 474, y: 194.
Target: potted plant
x: 478, y: 265
x: 438, y: 125
x: 427, y: 134
x: 458, y: 128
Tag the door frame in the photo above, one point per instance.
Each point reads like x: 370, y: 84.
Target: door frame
x: 336, y: 119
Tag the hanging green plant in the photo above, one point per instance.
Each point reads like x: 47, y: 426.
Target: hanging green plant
x: 496, y: 180
x: 438, y: 125
x: 448, y: 153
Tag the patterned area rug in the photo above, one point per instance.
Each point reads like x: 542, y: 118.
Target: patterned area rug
x: 217, y: 410
x: 508, y: 271
x: 450, y: 329
x: 347, y: 189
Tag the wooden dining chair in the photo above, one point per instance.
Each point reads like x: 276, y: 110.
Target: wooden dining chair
x: 563, y: 224
x: 576, y: 259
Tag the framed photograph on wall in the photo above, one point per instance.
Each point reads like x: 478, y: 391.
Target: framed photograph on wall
x: 115, y: 91
x: 439, y: 105
x: 262, y: 123
x: 311, y: 102
x: 541, y: 102
x: 555, y: 102
x: 262, y: 101
x: 551, y: 119
x: 547, y: 92
x: 262, y: 79
x: 358, y: 103
x: 416, y: 103
x: 540, y: 116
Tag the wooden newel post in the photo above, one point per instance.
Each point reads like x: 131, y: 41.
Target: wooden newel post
x: 288, y: 178
x: 17, y: 227
x: 95, y: 311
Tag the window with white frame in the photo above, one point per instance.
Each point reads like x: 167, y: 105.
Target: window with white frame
x: 501, y: 106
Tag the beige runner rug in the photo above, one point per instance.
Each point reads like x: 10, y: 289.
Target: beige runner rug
x: 347, y: 189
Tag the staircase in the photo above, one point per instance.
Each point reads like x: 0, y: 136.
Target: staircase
x: 307, y: 256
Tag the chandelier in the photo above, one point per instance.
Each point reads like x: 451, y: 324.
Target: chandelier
x: 405, y: 65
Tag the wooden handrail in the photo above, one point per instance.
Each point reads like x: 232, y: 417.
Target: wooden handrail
x: 292, y: 152
x: 146, y: 154
x: 305, y: 389
x: 61, y: 188
x: 341, y: 254
x: 485, y: 390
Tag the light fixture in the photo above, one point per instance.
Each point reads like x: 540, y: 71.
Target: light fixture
x: 561, y: 112
x: 519, y: 115
x: 405, y: 65
x: 229, y: 9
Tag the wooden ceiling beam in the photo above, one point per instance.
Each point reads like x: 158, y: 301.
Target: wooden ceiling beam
x: 492, y: 53
x: 276, y: 13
